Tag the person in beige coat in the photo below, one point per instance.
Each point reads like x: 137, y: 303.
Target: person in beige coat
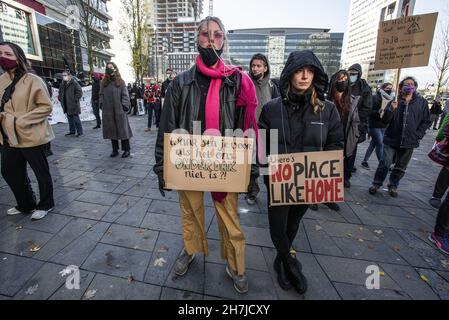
x: 24, y: 132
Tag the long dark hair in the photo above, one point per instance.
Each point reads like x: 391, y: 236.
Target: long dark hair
x: 344, y: 102
x: 117, y: 77
x: 22, y: 62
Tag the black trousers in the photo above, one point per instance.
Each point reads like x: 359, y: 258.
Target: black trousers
x: 96, y: 110
x: 125, y: 145
x: 284, y: 224
x: 442, y: 224
x: 442, y: 184
x: 158, y: 113
x: 349, y: 163
x: 14, y: 171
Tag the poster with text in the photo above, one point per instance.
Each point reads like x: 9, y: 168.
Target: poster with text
x: 207, y: 163
x: 306, y: 178
x: 57, y: 114
x: 405, y: 42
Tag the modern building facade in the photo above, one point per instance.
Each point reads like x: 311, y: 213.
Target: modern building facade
x: 278, y: 43
x: 364, y: 19
x: 68, y: 11
x: 174, y: 24
x: 51, y: 34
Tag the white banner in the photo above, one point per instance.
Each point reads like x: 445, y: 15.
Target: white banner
x: 87, y: 114
x: 140, y: 107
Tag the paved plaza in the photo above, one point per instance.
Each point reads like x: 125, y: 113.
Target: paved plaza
x: 111, y: 221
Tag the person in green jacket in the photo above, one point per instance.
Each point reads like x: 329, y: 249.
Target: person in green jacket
x: 443, y: 178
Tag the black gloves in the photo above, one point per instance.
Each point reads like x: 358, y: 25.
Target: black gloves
x: 160, y: 177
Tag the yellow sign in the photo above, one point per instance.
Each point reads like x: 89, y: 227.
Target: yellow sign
x: 207, y: 163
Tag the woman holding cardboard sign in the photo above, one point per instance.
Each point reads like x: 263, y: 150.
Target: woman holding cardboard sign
x: 220, y: 97
x: 305, y: 122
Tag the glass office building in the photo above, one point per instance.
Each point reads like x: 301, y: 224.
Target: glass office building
x: 278, y: 43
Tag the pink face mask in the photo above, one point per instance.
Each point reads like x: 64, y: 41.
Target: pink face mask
x: 7, y: 64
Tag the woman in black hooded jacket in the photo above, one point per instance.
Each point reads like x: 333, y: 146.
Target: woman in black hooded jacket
x: 305, y: 122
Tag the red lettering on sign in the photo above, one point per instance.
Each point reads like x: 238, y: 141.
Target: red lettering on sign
x: 338, y: 188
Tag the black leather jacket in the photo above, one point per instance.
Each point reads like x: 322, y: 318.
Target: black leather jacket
x: 181, y: 108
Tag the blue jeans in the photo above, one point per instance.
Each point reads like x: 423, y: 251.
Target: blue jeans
x: 403, y: 157
x: 151, y: 108
x: 75, y: 124
x: 377, y: 136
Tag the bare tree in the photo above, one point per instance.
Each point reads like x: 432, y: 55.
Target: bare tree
x: 136, y: 34
x: 83, y: 19
x: 441, y: 56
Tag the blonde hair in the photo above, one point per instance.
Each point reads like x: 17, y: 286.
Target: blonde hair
x: 217, y: 20
x: 317, y: 104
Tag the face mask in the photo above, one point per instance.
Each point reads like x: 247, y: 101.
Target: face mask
x: 65, y: 78
x: 353, y: 79
x: 408, y: 89
x: 7, y: 64
x: 388, y: 92
x: 341, y: 86
x: 110, y: 71
x: 209, y: 56
x: 256, y: 77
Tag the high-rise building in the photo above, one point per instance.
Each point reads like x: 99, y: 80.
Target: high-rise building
x: 364, y: 19
x: 49, y: 44
x: 278, y: 43
x: 68, y: 12
x: 174, y: 24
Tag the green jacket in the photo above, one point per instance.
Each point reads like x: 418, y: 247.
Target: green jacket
x: 440, y: 135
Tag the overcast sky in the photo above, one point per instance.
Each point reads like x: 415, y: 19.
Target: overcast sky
x: 237, y: 14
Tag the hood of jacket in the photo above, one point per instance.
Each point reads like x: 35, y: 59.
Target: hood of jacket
x: 356, y: 67
x: 260, y: 56
x: 298, y: 60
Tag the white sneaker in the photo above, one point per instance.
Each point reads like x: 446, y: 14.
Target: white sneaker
x: 39, y: 214
x: 13, y: 212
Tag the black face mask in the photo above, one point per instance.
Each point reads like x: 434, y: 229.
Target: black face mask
x: 388, y: 92
x: 258, y: 77
x: 209, y: 56
x: 341, y: 86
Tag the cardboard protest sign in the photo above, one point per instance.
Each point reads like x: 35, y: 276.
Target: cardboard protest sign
x: 207, y: 163
x: 306, y: 178
x: 405, y: 42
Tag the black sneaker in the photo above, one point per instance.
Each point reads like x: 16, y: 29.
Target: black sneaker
x: 393, y: 191
x: 96, y: 127
x: 373, y: 190
x: 114, y: 154
x: 333, y: 206
x: 435, y: 202
x: 69, y: 134
x: 126, y: 154
x: 347, y: 184
x: 251, y: 200
x: 354, y: 170
x: 365, y: 165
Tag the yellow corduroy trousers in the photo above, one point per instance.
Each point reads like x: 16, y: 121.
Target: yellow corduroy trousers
x: 193, y: 229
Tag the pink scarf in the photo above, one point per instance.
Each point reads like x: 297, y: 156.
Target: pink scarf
x: 247, y: 99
